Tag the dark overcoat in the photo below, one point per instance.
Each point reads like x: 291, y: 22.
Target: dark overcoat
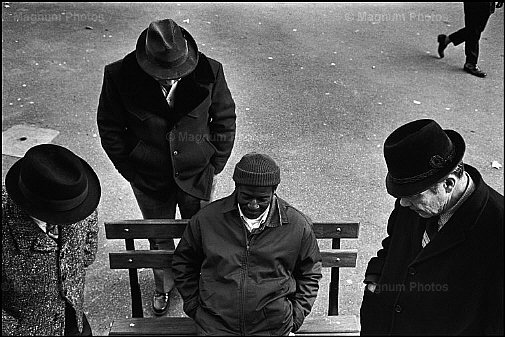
x: 453, y: 286
x: 154, y: 146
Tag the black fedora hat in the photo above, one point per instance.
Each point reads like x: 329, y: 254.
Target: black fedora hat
x: 54, y: 185
x: 166, y: 51
x: 418, y: 155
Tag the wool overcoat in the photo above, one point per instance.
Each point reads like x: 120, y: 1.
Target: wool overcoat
x: 38, y: 277
x: 155, y: 146
x: 453, y: 286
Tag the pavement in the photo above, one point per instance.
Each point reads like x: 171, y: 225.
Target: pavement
x: 318, y: 86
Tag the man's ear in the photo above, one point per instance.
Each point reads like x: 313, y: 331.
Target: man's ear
x: 449, y: 184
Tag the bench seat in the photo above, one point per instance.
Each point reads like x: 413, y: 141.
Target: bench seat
x: 341, y: 325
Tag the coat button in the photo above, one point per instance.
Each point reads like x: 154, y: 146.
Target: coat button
x: 398, y: 308
x: 176, y: 174
x: 412, y: 271
x: 176, y: 153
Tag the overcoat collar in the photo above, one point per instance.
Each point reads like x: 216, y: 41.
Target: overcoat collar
x: 143, y: 94
x: 27, y: 235
x: 460, y: 224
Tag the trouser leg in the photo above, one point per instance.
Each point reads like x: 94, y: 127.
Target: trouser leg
x: 153, y: 208
x: 476, y: 17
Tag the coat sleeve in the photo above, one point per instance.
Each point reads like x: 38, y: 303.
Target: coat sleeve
x: 494, y: 301
x: 91, y: 245
x: 186, y: 266
x: 307, y: 274
x: 222, y: 123
x: 112, y: 127
x: 375, y: 265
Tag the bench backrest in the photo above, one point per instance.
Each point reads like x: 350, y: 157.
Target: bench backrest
x: 132, y: 259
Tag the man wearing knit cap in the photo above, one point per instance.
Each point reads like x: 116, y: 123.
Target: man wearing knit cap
x: 249, y: 263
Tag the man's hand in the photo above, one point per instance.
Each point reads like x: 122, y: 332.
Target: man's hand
x: 371, y: 287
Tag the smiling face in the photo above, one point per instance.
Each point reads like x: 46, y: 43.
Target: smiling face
x: 254, y: 200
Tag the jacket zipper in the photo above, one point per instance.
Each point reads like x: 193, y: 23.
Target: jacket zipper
x: 244, y: 275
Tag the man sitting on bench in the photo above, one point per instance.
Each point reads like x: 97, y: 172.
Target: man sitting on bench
x: 249, y: 263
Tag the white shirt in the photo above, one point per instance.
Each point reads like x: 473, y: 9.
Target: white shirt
x: 169, y: 95
x: 43, y: 226
x: 254, y: 223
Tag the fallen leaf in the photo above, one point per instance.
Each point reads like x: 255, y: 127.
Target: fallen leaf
x: 495, y: 164
x: 417, y: 102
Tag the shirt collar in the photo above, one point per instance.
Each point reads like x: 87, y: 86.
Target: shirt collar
x: 470, y: 187
x: 254, y: 223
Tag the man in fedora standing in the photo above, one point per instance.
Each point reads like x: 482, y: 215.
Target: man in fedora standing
x: 440, y: 269
x: 167, y: 122
x: 49, y: 237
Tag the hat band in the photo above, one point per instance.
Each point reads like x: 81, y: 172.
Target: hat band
x: 436, y: 161
x: 57, y: 205
x: 169, y: 64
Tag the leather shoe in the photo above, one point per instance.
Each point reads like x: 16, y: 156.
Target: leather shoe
x: 160, y: 303
x: 441, y: 45
x: 474, y: 70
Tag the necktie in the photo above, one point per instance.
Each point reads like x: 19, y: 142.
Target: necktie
x: 52, y: 230
x: 432, y: 227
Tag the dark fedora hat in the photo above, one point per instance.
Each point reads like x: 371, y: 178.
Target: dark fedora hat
x: 166, y: 51
x: 418, y: 155
x: 54, y: 185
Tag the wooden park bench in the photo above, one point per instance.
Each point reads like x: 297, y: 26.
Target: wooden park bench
x: 131, y: 259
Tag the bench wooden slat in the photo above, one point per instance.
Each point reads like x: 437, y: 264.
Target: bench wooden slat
x: 179, y: 326
x: 167, y: 228
x: 184, y: 326
x: 162, y: 258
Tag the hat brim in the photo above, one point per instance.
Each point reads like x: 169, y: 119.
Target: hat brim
x: 71, y: 216
x: 158, y: 71
x: 408, y: 189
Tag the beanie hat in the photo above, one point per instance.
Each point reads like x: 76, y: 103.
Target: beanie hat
x: 255, y: 169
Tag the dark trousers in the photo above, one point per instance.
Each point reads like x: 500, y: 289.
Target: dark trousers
x: 476, y: 17
x: 71, y: 323
x: 153, y: 208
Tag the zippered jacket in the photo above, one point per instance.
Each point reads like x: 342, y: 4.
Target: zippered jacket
x: 236, y: 283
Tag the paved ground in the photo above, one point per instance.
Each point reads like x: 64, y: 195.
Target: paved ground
x: 317, y: 86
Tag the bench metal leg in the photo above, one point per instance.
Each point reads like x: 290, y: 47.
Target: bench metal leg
x: 136, y: 295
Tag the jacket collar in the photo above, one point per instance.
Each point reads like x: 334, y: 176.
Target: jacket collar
x: 462, y: 221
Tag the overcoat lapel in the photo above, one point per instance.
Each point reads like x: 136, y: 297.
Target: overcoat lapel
x: 28, y: 236
x: 143, y: 95
x: 455, y: 231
